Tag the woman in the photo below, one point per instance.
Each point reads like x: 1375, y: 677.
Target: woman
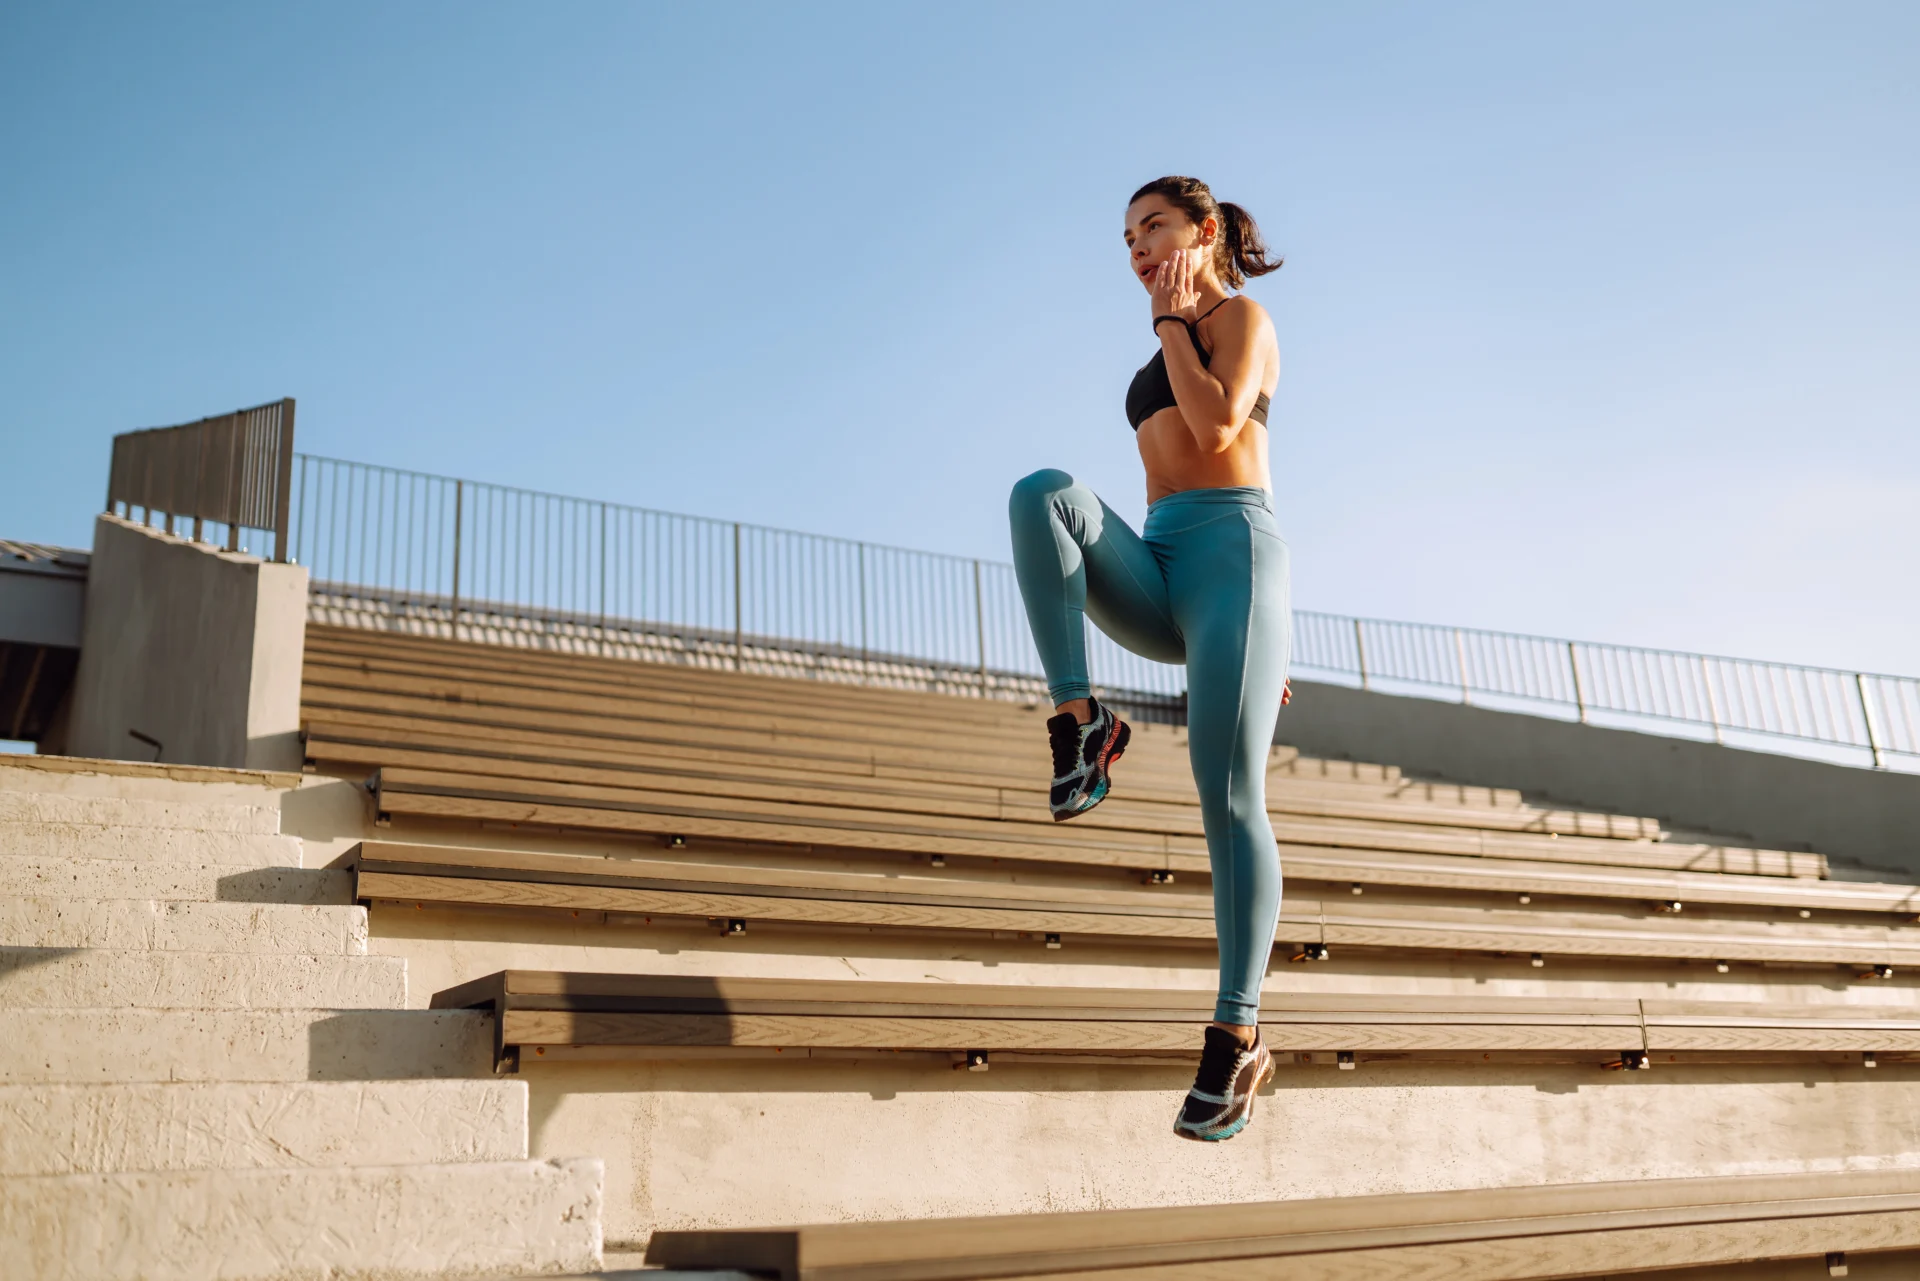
x: 1204, y: 583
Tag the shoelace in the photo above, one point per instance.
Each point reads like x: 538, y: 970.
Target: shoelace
x: 1064, y: 738
x: 1218, y: 1058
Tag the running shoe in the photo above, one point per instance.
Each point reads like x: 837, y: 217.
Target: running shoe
x: 1082, y: 755
x: 1221, y: 1101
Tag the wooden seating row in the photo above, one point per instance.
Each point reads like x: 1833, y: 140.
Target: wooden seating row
x: 537, y: 1013
x: 342, y: 658
x: 738, y: 896
x: 660, y: 804
x: 1861, y: 1224
x: 345, y: 742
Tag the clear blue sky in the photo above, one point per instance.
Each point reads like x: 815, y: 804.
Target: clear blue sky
x: 1598, y: 320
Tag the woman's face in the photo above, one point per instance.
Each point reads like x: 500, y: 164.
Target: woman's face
x: 1156, y: 230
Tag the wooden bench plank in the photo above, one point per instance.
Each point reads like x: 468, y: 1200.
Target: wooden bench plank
x: 459, y: 876
x: 966, y: 814
x: 408, y: 744
x: 542, y: 1009
x: 1491, y: 1234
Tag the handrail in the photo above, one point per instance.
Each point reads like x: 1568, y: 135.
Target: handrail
x: 1867, y: 712
x: 462, y: 556
x: 232, y: 469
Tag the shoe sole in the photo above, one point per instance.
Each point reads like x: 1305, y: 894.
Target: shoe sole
x: 1240, y: 1123
x: 1116, y: 748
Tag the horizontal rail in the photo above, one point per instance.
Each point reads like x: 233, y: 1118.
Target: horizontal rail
x: 404, y: 549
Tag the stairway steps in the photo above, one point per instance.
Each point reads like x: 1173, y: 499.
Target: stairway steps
x: 92, y: 978
x: 146, y: 845
x: 366, y: 1223
x: 100, y: 1129
x: 53, y: 1046
x: 132, y: 924
x: 205, y: 882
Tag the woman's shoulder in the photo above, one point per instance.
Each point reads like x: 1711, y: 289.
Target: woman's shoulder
x: 1240, y: 312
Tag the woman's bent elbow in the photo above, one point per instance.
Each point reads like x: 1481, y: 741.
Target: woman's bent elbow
x: 1216, y: 440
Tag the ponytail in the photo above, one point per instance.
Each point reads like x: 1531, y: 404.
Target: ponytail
x: 1240, y: 251
x: 1243, y: 251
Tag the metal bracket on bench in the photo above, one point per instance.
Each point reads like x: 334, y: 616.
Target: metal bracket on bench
x: 1160, y: 876
x: 1632, y: 1061
x: 676, y: 842
x: 1053, y: 941
x: 733, y: 929
x: 976, y: 1061
x: 1836, y: 1263
x: 1344, y: 1060
x: 1312, y: 952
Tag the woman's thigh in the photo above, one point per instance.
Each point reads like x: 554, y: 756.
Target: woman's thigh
x: 1126, y: 584
x: 1228, y: 588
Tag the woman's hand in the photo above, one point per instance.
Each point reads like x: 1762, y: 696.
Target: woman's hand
x: 1286, y: 693
x: 1172, y: 292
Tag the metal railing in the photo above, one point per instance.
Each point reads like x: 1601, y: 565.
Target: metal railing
x: 232, y: 470
x: 1875, y: 717
x: 410, y: 551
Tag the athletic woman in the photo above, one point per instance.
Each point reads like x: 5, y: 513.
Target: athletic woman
x: 1204, y: 583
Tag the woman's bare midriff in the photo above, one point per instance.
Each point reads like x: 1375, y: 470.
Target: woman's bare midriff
x: 1175, y: 462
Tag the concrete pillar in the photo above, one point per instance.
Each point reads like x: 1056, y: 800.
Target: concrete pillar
x: 192, y: 648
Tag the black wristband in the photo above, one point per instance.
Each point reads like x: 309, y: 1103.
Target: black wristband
x: 1166, y: 316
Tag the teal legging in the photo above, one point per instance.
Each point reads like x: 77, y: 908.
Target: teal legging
x: 1204, y: 585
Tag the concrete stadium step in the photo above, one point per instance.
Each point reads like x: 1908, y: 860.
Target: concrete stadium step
x: 72, y: 1046
x: 147, y: 844
x: 51, y: 876
x: 93, y: 978
x: 132, y: 924
x: 186, y: 813
x: 394, y: 1223
x: 79, y: 776
x: 101, y: 1129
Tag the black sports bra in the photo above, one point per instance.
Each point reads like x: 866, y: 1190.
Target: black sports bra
x: 1152, y: 390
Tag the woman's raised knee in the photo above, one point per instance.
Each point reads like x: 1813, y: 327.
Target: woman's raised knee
x: 1038, y: 489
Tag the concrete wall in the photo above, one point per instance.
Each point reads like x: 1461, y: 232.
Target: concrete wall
x: 1779, y: 801
x: 197, y: 648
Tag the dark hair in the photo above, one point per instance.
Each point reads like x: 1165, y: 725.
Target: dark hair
x: 1240, y: 251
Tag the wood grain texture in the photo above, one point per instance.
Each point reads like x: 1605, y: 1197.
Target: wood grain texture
x: 1495, y: 1234
x: 452, y: 875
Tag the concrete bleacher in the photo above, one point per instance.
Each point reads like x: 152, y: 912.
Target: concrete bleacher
x: 207, y: 1073
x: 738, y: 932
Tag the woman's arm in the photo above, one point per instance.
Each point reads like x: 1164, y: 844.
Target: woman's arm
x: 1215, y: 400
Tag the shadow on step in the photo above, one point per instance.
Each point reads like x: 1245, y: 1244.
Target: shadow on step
x: 350, y: 1045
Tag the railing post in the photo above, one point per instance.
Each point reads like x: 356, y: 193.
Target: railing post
x: 282, y: 482
x: 1579, y: 690
x: 1713, y: 704
x: 603, y: 578
x: 236, y: 478
x: 736, y: 596
x: 1460, y: 657
x: 863, y: 609
x: 1360, y: 648
x: 459, y: 513
x: 980, y: 626
x: 1866, y: 713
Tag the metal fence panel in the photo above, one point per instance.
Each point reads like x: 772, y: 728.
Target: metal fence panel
x: 466, y: 558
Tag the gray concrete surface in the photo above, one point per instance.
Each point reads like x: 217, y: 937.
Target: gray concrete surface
x: 196, y: 649
x: 1782, y: 802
